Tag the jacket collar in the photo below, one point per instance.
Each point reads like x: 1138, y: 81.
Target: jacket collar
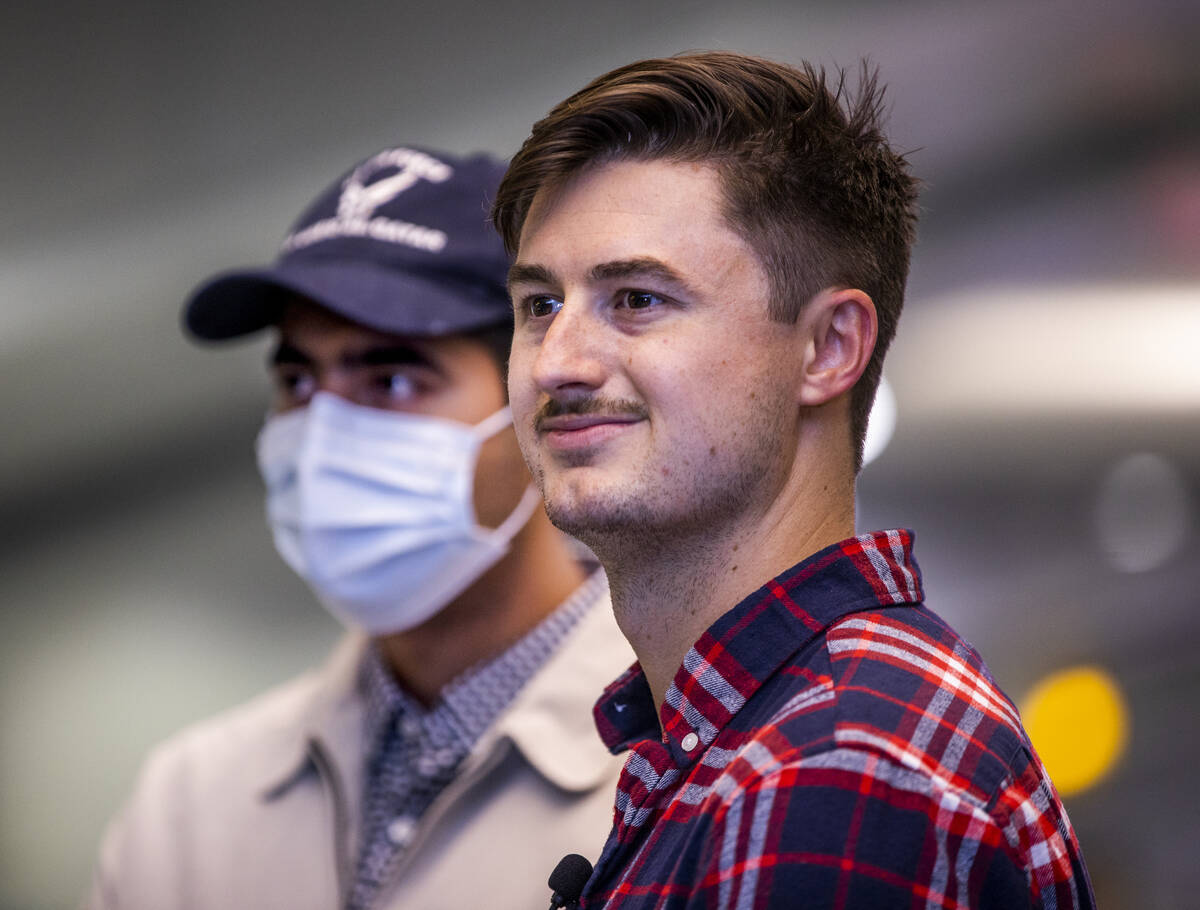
x: 329, y: 718
x: 549, y: 721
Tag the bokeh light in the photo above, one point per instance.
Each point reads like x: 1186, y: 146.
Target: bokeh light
x: 1079, y: 725
x: 882, y: 422
x: 1143, y: 513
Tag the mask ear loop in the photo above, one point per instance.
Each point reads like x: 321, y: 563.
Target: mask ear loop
x: 490, y: 426
x: 530, y: 499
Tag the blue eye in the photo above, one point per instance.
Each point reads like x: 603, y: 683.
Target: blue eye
x: 540, y: 307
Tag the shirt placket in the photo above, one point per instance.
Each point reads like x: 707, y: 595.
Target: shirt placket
x: 404, y: 801
x: 648, y: 790
x: 417, y: 753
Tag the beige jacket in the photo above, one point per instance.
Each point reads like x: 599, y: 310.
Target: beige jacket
x: 259, y: 808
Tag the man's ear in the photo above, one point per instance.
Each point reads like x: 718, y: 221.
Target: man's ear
x: 840, y: 327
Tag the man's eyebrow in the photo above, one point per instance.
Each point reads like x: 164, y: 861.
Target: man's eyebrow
x: 388, y: 355
x: 524, y: 272
x: 377, y: 355
x: 638, y: 267
x: 287, y: 353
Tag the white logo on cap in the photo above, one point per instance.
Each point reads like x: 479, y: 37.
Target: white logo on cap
x: 360, y: 198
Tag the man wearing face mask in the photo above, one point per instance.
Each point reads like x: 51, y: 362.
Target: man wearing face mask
x: 445, y: 754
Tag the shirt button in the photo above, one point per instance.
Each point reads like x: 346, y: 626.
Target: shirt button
x: 428, y: 766
x: 690, y: 742
x: 401, y: 831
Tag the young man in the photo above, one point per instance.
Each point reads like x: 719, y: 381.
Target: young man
x: 710, y: 262
x: 445, y: 756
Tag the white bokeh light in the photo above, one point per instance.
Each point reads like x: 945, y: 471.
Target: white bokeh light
x: 1143, y: 512
x: 881, y: 424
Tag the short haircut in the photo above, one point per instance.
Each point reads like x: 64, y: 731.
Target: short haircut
x: 807, y: 175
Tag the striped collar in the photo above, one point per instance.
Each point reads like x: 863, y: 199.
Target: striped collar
x: 748, y: 644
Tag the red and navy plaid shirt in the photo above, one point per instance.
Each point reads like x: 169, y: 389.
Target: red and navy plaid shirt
x: 830, y: 742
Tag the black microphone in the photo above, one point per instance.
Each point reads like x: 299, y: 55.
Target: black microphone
x: 567, y: 880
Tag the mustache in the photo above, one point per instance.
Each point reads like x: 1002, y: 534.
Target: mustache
x: 611, y: 407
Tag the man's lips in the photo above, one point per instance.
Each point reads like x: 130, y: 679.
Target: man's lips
x: 578, y: 431
x: 573, y: 422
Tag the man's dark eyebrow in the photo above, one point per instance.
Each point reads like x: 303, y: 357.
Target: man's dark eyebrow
x: 533, y: 274
x: 379, y: 355
x: 388, y: 355
x: 286, y: 353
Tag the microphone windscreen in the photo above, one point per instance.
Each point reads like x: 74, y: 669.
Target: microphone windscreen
x: 569, y: 877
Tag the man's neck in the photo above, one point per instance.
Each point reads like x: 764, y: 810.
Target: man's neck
x: 497, y: 610
x: 666, y: 595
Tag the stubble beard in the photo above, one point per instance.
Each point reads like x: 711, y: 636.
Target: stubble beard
x: 648, y: 518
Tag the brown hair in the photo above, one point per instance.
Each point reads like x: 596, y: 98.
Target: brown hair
x: 807, y: 174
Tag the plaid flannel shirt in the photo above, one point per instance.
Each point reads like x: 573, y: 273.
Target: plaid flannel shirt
x: 830, y: 742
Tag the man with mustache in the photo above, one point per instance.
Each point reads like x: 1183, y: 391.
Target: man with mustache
x: 711, y: 253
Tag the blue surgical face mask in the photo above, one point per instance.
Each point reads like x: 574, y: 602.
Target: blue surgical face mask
x: 374, y: 509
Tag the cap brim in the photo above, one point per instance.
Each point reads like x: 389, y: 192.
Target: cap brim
x: 403, y: 303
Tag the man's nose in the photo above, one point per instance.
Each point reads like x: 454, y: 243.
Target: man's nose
x: 339, y: 382
x: 571, y: 352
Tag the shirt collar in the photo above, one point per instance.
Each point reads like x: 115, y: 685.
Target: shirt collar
x: 748, y: 644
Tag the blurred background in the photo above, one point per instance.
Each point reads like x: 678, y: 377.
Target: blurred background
x: 1046, y: 381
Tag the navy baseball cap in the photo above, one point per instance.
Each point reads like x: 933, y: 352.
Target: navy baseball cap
x: 402, y: 243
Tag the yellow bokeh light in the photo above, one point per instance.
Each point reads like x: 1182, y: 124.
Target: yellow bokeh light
x: 1078, y: 722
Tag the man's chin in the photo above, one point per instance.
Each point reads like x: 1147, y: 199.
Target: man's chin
x: 588, y: 520
x: 570, y: 520
x: 591, y: 504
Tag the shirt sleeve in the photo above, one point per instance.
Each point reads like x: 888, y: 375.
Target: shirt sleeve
x: 852, y: 829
